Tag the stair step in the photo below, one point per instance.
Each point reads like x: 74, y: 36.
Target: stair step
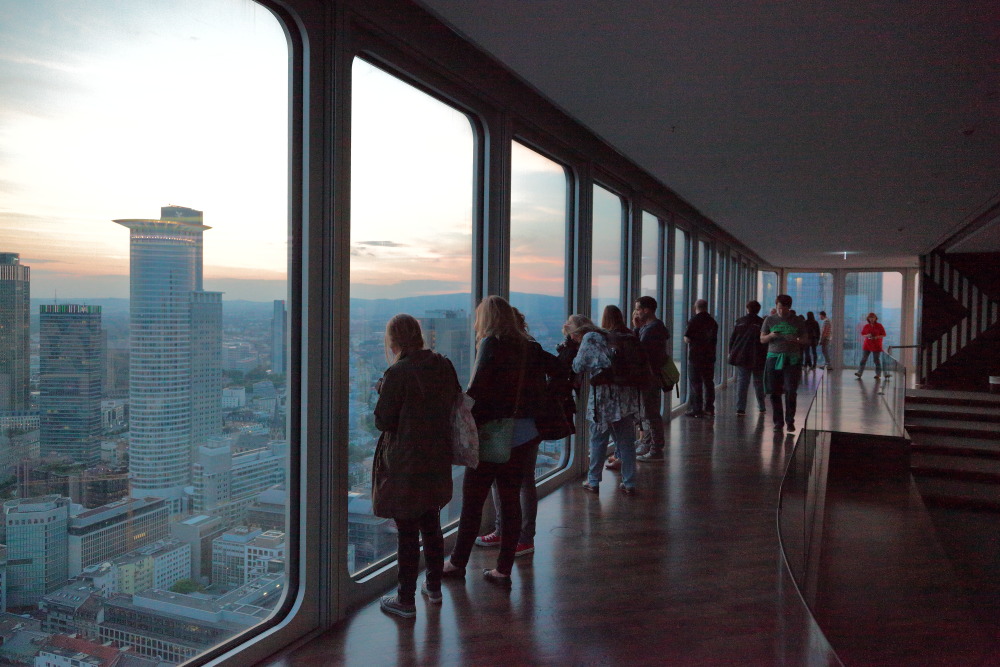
x: 955, y: 427
x: 976, y: 413
x: 959, y: 493
x: 944, y: 397
x: 955, y: 467
x: 948, y: 444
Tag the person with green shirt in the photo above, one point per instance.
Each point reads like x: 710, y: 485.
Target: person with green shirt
x: 784, y: 335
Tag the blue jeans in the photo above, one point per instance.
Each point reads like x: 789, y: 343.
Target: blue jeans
x: 743, y: 375
x: 826, y: 345
x: 877, y: 356
x: 623, y: 431
x: 652, y: 416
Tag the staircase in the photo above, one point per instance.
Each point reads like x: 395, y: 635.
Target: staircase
x: 955, y: 451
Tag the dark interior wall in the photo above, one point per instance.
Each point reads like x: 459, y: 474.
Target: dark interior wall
x: 948, y: 302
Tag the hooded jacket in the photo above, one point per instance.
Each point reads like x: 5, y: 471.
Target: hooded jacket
x: 411, y: 472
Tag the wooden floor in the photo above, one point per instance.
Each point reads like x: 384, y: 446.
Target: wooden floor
x: 686, y: 572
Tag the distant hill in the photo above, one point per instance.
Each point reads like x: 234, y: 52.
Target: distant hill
x: 115, y: 308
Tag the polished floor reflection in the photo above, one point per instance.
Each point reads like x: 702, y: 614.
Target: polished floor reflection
x: 686, y: 572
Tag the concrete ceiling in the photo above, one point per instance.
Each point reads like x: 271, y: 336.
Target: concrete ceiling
x: 806, y: 128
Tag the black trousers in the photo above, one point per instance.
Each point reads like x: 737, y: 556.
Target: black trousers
x: 427, y: 524
x: 474, y: 491
x: 701, y: 386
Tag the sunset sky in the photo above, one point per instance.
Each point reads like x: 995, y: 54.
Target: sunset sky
x: 113, y: 109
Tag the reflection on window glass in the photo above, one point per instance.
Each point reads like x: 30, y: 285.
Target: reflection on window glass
x: 767, y: 290
x: 148, y: 381
x: 649, y: 281
x: 680, y: 300
x: 701, y: 281
x: 410, y: 253
x: 871, y: 292
x: 718, y: 309
x: 538, y: 260
x: 606, y: 266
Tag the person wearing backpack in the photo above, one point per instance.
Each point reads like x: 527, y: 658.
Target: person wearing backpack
x: 613, y: 403
x: 701, y: 335
x: 748, y: 354
x: 654, y: 338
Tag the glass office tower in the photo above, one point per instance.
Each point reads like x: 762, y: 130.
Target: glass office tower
x: 174, y: 373
x: 70, y: 378
x: 15, y: 284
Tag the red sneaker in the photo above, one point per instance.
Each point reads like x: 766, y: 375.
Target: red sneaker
x: 524, y: 550
x: 490, y: 540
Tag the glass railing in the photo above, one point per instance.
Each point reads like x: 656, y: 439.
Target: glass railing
x: 893, y: 388
x: 800, y: 529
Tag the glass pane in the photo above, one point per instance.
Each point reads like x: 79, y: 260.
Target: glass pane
x: 648, y: 281
x: 701, y: 282
x: 767, y: 290
x: 680, y: 303
x: 875, y: 292
x: 538, y: 260
x: 153, y: 449
x: 811, y: 292
x: 606, y: 263
x: 718, y: 309
x: 410, y: 253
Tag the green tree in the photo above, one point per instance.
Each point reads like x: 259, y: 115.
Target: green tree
x: 187, y: 586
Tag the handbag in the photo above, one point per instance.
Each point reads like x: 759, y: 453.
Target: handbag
x: 669, y: 375
x: 495, y: 440
x: 552, y: 421
x: 464, y: 434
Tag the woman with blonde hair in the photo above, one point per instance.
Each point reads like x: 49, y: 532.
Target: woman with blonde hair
x: 612, y: 409
x: 411, y: 472
x: 508, y: 385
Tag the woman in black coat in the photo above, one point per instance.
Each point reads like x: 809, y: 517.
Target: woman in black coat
x: 508, y: 383
x: 411, y: 474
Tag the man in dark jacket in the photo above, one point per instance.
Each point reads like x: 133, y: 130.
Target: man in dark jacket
x: 747, y: 353
x: 654, y: 337
x: 701, y: 335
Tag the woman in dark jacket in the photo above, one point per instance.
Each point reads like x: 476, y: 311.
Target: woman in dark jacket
x: 507, y: 383
x: 411, y: 474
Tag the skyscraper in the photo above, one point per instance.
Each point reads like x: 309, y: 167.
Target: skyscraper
x: 278, y: 346
x: 175, y: 357
x: 70, y: 378
x: 15, y: 350
x: 37, y: 547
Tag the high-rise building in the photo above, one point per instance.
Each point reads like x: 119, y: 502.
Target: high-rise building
x: 70, y: 378
x: 100, y: 534
x: 175, y: 334
x: 15, y: 350
x: 37, y: 548
x: 279, y: 348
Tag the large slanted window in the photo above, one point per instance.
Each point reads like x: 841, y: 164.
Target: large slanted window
x: 538, y: 223
x: 163, y: 347
x: 412, y: 160
x: 606, y: 260
x: 879, y: 292
x: 681, y: 302
x: 649, y: 280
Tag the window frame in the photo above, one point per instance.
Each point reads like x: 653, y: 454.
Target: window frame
x: 324, y: 38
